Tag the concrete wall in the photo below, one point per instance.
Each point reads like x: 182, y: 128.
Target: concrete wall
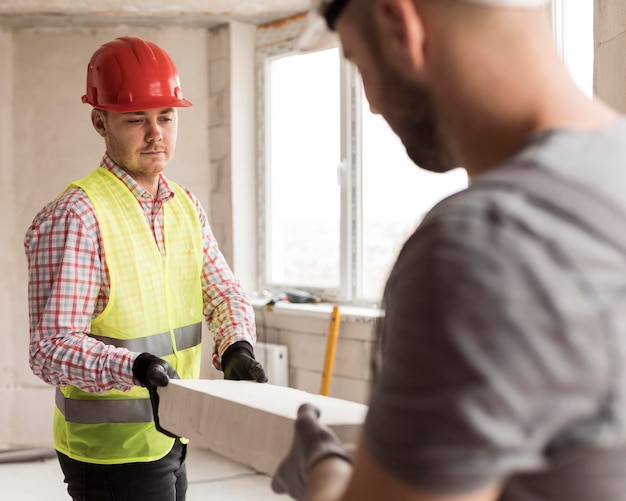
x: 12, y: 304
x: 305, y: 335
x: 610, y: 52
x: 46, y: 141
x: 232, y: 135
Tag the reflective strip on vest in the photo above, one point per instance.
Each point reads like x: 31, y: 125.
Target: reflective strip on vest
x: 133, y: 410
x: 159, y: 344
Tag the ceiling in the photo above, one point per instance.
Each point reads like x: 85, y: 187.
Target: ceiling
x: 98, y: 13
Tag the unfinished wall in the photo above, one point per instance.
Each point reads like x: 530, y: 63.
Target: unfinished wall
x: 305, y: 335
x: 232, y: 133
x: 11, y: 297
x: 46, y: 141
x: 610, y: 52
x: 219, y: 136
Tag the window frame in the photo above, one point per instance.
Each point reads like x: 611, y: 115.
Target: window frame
x: 348, y: 174
x: 351, y: 267
x: 349, y: 252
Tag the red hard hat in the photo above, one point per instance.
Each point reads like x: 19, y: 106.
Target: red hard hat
x: 130, y: 74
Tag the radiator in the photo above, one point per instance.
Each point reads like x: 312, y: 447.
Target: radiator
x: 273, y: 358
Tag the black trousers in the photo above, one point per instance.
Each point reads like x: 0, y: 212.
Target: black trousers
x: 162, y: 480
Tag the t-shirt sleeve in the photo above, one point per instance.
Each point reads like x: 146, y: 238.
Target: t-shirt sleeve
x: 482, y: 372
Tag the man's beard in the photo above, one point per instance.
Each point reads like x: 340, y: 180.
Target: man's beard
x: 418, y: 130
x: 410, y: 111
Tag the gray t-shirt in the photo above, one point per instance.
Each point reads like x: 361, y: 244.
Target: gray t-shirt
x: 504, y: 345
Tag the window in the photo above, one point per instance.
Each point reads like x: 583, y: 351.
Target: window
x: 396, y: 195
x: 303, y: 152
x: 572, y: 23
x: 339, y: 194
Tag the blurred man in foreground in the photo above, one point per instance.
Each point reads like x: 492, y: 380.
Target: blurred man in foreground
x: 504, y: 339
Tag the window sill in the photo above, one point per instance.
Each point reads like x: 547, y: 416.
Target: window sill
x: 349, y: 313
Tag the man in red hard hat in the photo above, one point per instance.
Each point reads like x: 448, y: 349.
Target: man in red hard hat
x: 123, y: 269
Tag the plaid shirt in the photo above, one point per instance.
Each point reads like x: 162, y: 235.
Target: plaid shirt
x: 69, y: 286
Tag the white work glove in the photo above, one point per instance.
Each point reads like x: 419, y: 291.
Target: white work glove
x: 312, y: 442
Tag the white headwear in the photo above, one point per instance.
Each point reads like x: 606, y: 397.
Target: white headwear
x: 522, y: 4
x: 316, y: 36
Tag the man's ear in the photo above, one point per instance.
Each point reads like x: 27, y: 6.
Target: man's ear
x: 98, y: 122
x: 403, y: 31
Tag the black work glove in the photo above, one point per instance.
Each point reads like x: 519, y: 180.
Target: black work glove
x: 238, y: 363
x: 312, y: 442
x: 152, y: 372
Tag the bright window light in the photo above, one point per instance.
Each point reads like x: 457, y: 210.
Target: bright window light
x: 396, y: 196
x: 572, y: 23
x: 303, y: 155
x: 338, y: 193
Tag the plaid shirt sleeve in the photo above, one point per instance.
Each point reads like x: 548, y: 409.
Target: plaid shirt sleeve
x: 227, y: 308
x: 64, y: 292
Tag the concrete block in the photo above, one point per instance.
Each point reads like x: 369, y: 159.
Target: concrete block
x: 219, y: 74
x: 219, y: 42
x: 307, y: 350
x: 219, y: 141
x: 307, y: 380
x: 248, y: 422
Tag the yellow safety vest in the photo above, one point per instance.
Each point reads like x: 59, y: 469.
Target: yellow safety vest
x: 155, y: 306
